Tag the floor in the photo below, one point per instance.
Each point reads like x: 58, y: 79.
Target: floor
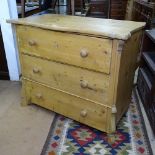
x: 23, y: 130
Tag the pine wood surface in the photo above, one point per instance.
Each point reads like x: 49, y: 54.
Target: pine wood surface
x: 81, y: 110
x: 66, y: 48
x: 116, y: 29
x: 78, y: 81
x: 57, y: 76
x: 128, y: 64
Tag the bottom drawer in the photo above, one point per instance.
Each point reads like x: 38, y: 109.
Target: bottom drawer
x: 92, y: 114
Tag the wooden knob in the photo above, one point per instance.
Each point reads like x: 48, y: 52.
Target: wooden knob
x: 103, y: 111
x: 39, y: 95
x: 84, y: 53
x: 36, y: 70
x: 83, y: 113
x: 84, y: 84
x: 32, y: 42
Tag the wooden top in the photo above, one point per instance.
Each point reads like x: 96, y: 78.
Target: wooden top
x: 91, y: 26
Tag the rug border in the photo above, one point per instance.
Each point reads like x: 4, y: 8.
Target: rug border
x: 142, y: 121
x: 51, y: 130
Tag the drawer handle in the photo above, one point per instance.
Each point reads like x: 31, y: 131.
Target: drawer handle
x: 84, y: 84
x: 32, y: 43
x: 83, y: 113
x: 39, y: 96
x: 84, y: 53
x: 36, y: 70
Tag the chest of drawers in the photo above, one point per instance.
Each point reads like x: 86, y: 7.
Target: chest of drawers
x: 82, y: 68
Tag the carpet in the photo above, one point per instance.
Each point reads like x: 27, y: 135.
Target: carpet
x: 68, y: 137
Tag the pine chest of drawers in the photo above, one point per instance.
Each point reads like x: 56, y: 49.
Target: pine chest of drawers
x: 82, y: 68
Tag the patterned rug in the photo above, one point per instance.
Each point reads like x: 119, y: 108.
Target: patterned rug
x: 68, y: 137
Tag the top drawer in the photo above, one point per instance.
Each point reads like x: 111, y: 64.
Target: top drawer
x: 83, y: 51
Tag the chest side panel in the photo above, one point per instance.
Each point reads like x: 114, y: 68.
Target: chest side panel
x: 127, y: 69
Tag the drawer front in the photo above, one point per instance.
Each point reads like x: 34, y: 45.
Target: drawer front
x: 87, y: 84
x: 143, y: 88
x: 94, y: 115
x: 87, y: 52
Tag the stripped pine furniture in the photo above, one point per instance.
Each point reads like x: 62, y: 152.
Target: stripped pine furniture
x: 80, y: 67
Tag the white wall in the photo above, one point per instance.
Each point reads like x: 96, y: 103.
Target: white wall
x: 8, y: 10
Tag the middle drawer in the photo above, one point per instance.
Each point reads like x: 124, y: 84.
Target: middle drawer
x: 77, y: 81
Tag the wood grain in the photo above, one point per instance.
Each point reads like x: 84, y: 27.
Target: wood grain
x: 128, y: 65
x: 68, y: 105
x: 115, y: 29
x: 66, y: 48
x: 81, y: 82
x: 77, y: 72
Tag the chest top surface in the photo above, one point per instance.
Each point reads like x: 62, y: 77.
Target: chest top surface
x: 85, y: 25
